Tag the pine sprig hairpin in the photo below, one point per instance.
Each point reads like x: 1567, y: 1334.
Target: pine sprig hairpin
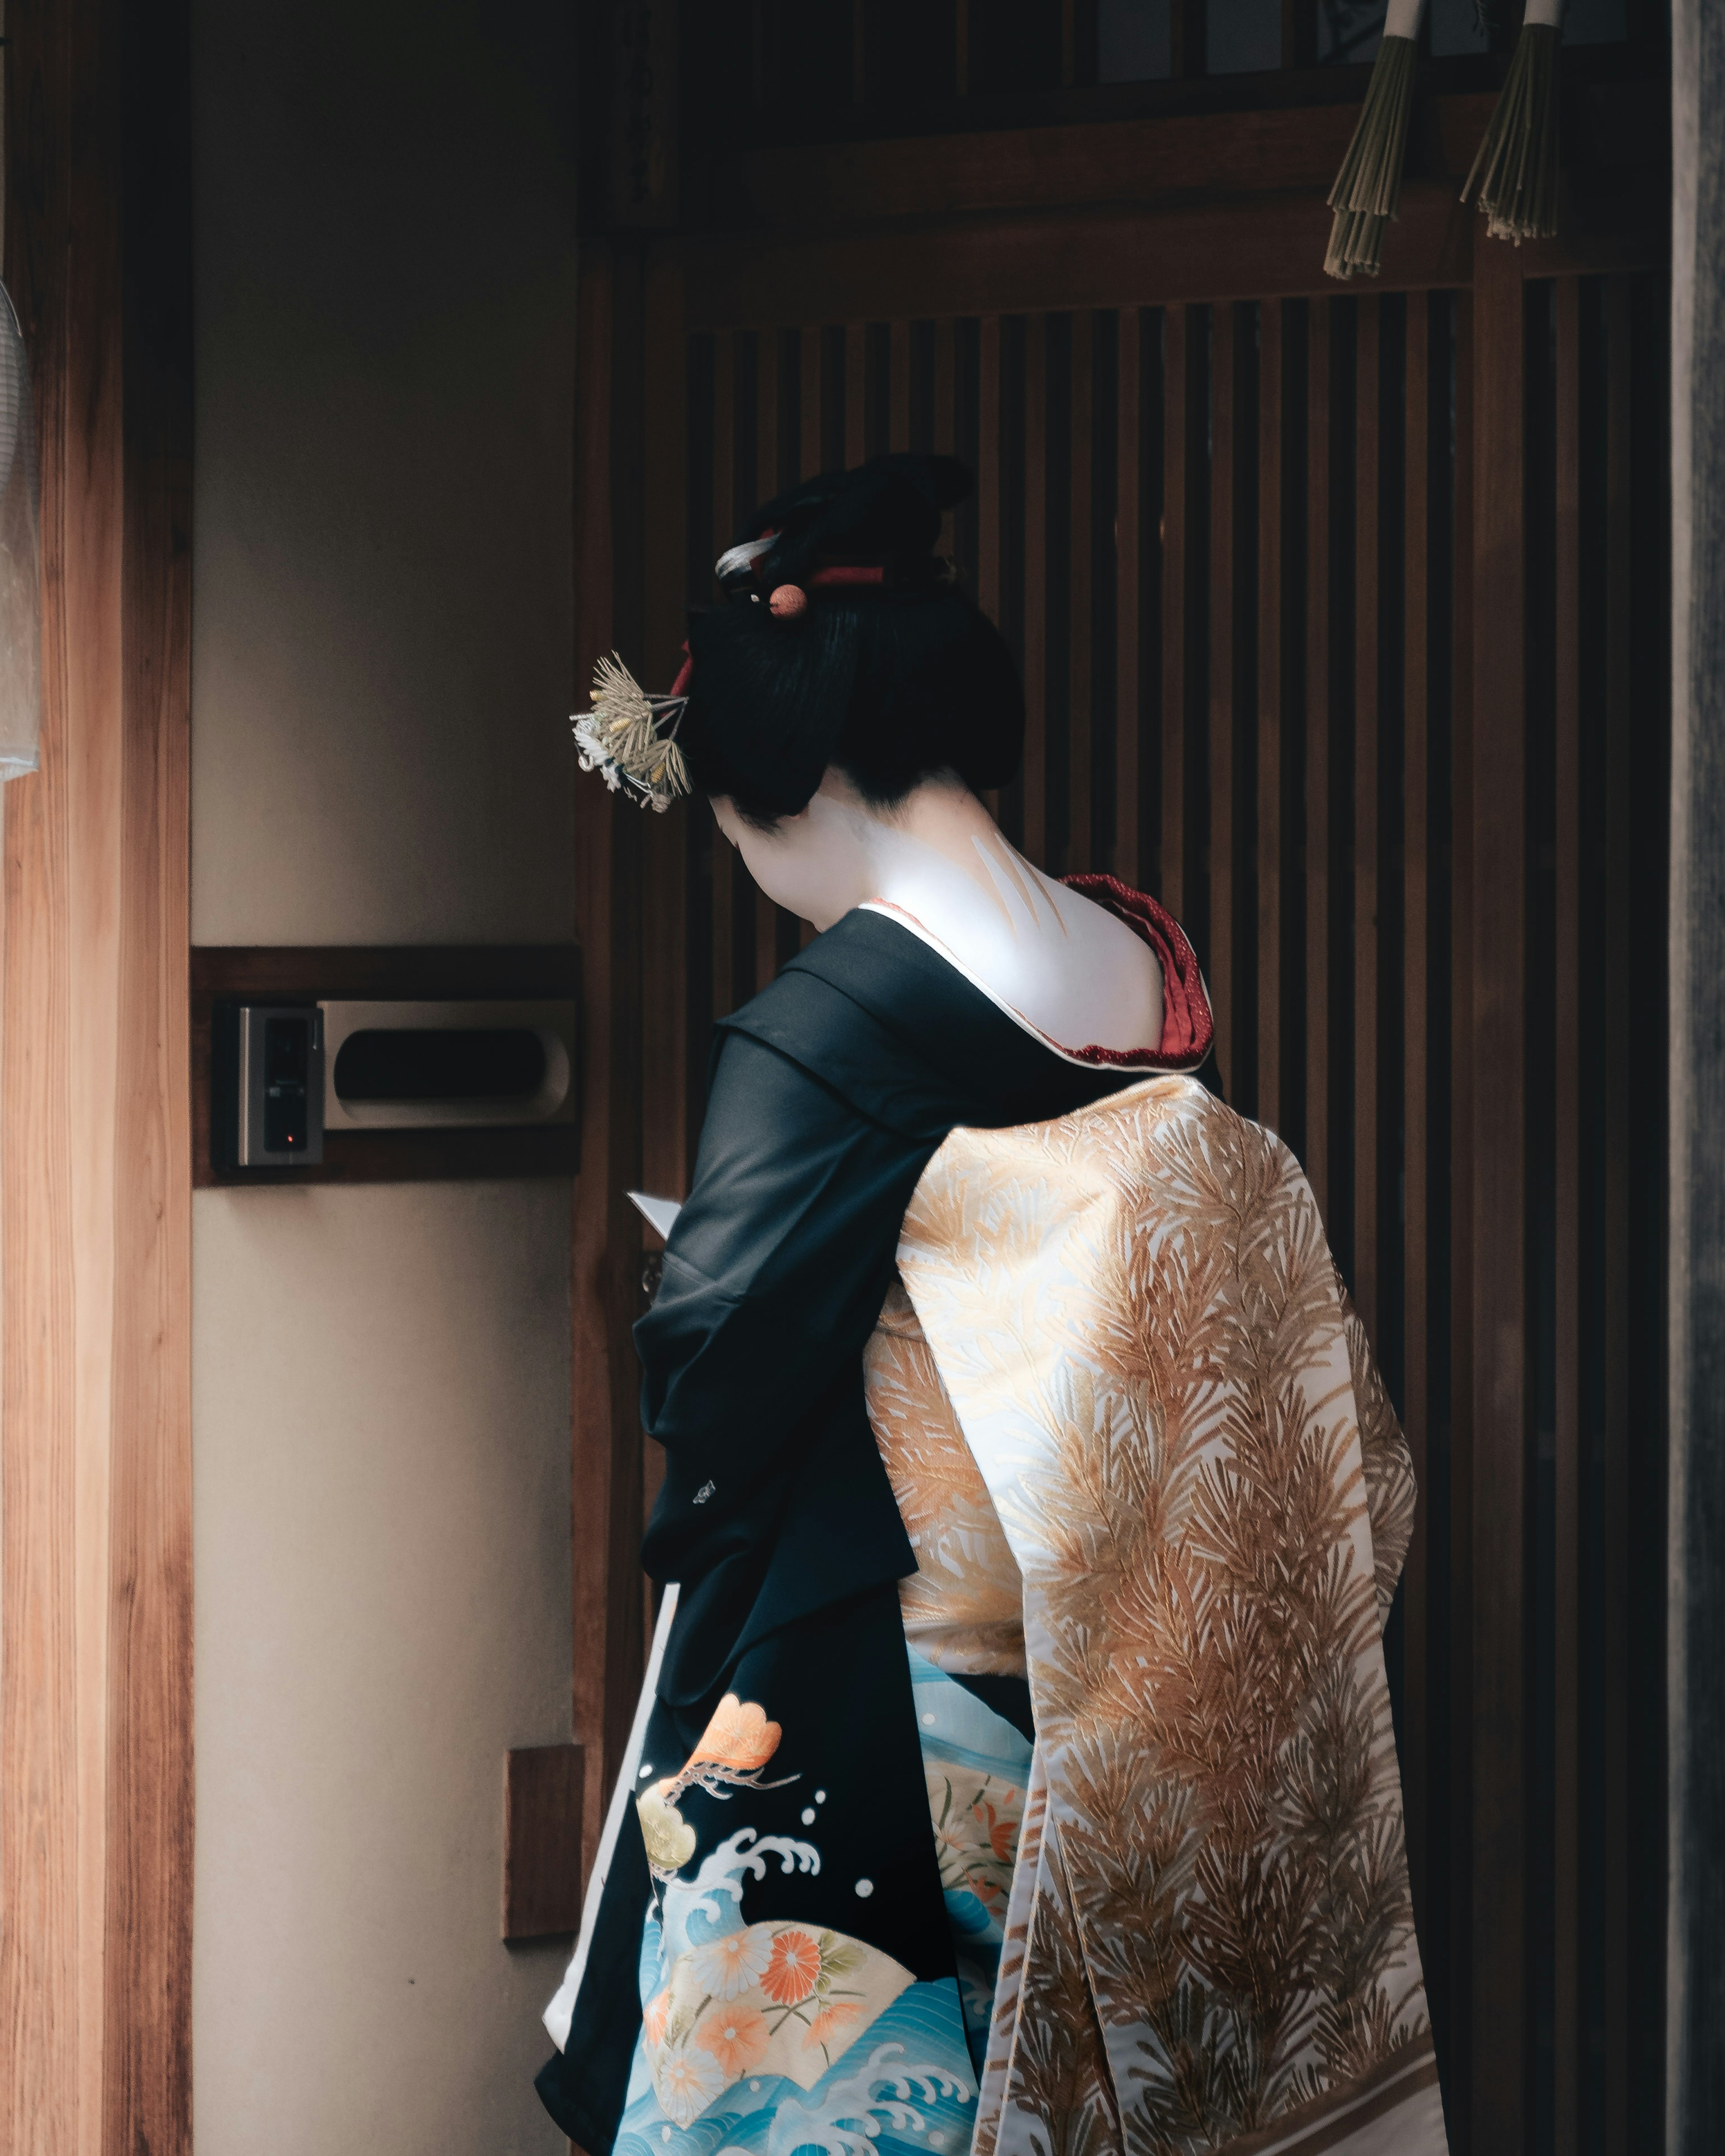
x: 630, y: 737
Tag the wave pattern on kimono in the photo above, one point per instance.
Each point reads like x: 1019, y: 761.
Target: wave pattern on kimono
x: 1125, y: 1405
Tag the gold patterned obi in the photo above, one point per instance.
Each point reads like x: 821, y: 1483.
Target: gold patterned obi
x: 1144, y: 1459
x: 964, y: 1605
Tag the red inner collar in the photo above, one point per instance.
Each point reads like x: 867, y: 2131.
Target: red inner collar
x: 1188, y: 1028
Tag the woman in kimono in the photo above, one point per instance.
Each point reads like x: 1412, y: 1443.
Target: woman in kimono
x: 1013, y: 1768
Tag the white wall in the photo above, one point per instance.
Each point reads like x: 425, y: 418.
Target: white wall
x: 380, y: 674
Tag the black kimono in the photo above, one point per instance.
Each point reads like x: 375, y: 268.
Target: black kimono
x: 829, y: 1093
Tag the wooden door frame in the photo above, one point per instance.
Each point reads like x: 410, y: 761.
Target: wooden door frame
x: 95, y: 1481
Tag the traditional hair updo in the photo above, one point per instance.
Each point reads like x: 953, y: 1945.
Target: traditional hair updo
x: 842, y: 640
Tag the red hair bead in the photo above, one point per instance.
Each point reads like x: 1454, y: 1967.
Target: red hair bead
x: 788, y: 602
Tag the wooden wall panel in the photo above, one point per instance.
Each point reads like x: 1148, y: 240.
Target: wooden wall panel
x: 96, y: 1563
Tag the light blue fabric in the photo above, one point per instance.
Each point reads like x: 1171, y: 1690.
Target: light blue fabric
x: 960, y: 1737
x: 906, y: 2086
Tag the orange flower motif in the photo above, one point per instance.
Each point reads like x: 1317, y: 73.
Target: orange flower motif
x: 736, y: 2037
x: 832, y: 2020
x: 1003, y: 1833
x: 654, y: 2020
x: 739, y: 1736
x: 793, y: 1969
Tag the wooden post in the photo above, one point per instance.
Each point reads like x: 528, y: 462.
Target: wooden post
x: 95, y: 1470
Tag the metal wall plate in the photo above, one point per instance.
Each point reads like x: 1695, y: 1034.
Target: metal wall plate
x: 549, y: 1025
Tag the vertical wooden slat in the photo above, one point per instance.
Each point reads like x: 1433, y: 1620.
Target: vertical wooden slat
x: 1187, y: 40
x: 767, y: 474
x: 808, y: 377
x: 1299, y: 34
x: 988, y: 482
x: 1177, y: 431
x: 605, y: 1428
x: 1319, y: 332
x: 1268, y: 1105
x: 945, y: 413
x: 856, y: 386
x: 1498, y: 1157
x: 808, y: 463
x: 1036, y: 589
x: 724, y: 486
x: 898, y: 393
x: 597, y: 1223
x: 1365, y: 542
x: 664, y: 840
x: 1126, y: 512
x: 1415, y: 915
x: 1566, y: 1146
x: 987, y: 462
x: 1218, y: 959
x: 1078, y: 618
x: 1615, y: 1224
x: 768, y: 482
x: 1452, y: 1991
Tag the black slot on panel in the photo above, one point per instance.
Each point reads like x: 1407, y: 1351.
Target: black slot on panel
x: 428, y: 1063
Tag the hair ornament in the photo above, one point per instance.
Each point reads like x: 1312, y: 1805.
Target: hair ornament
x: 630, y: 737
x: 789, y: 601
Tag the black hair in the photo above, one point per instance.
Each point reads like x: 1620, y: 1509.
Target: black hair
x: 893, y: 681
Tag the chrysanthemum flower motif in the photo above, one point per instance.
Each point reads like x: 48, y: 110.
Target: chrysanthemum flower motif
x: 833, y: 2021
x: 668, y: 1836
x: 653, y: 2020
x: 736, y: 2036
x: 792, y: 1971
x: 739, y: 1736
x: 685, y: 2082
x: 725, y: 1967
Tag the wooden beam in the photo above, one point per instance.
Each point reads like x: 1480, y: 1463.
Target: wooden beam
x: 1227, y: 158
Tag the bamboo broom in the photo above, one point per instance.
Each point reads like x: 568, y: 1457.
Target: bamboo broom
x: 1515, y: 175
x: 1368, y: 191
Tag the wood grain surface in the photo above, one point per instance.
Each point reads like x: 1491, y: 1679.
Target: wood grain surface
x: 95, y: 1607
x: 543, y: 1797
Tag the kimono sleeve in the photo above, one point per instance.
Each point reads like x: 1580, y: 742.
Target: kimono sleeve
x: 774, y: 1274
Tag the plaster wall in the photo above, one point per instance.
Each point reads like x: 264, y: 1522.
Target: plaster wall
x: 382, y: 636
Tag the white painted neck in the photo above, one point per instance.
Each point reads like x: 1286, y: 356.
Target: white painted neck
x: 1070, y: 970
